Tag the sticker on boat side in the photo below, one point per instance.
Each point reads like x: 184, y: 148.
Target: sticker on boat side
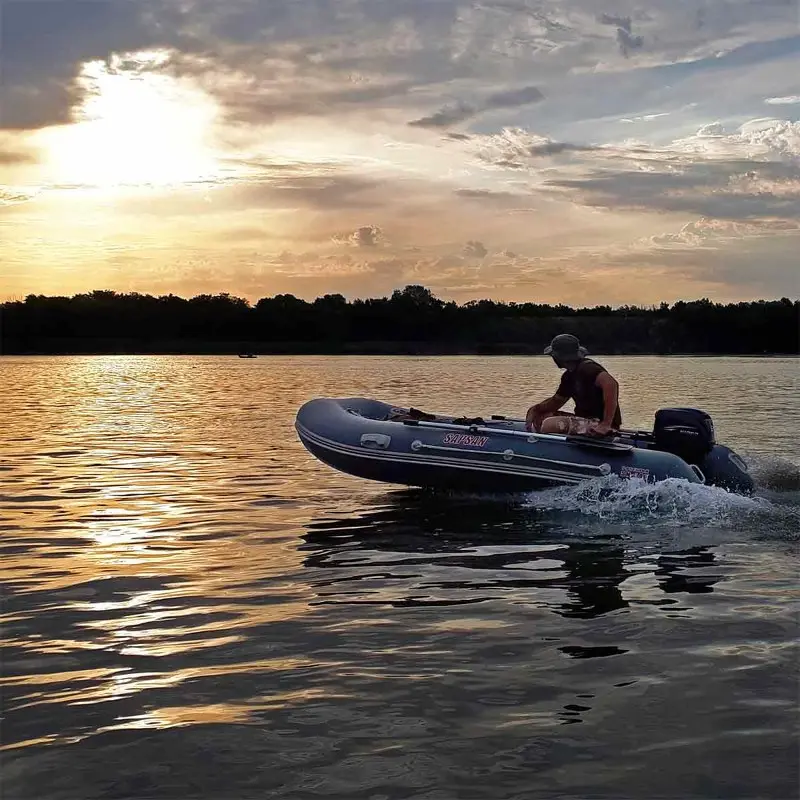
x: 466, y: 439
x: 634, y: 472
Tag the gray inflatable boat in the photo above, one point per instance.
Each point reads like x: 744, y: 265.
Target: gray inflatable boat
x: 381, y: 442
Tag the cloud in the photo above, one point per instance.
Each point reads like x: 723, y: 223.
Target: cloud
x: 365, y: 236
x: 516, y: 147
x: 449, y: 115
x: 9, y: 157
x: 475, y: 249
x: 43, y: 44
x: 513, y: 98
x: 706, y: 232
x: 628, y: 42
x: 645, y: 117
x: 496, y: 198
x: 265, y: 60
x: 750, y: 173
x: 10, y: 196
x: 619, y: 22
x: 305, y: 192
x: 720, y: 256
x: 789, y: 100
x: 707, y: 190
x: 460, y: 112
x: 758, y: 139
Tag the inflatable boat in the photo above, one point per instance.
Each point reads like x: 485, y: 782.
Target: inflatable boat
x: 381, y: 442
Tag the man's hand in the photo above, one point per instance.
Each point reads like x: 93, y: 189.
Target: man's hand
x: 533, y: 419
x: 599, y: 429
x: 536, y: 414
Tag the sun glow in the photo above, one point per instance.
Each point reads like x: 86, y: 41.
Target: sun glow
x: 136, y: 126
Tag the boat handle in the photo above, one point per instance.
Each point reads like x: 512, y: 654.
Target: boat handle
x: 375, y: 441
x: 697, y: 471
x: 508, y: 455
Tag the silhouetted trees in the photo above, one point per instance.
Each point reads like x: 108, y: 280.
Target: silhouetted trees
x: 411, y: 320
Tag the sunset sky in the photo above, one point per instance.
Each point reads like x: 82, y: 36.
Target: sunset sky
x: 576, y: 151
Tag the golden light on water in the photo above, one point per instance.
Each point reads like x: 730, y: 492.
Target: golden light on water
x: 136, y: 126
x: 118, y: 545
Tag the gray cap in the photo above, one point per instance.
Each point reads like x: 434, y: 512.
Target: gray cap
x: 566, y: 346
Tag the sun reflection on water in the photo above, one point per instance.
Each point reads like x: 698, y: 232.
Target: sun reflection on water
x: 134, y: 552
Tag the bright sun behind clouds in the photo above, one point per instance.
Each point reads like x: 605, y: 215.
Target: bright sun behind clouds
x: 135, y: 127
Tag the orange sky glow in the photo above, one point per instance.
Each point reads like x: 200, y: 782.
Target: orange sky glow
x: 565, y: 157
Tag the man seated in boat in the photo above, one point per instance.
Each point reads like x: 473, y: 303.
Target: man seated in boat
x: 594, y: 390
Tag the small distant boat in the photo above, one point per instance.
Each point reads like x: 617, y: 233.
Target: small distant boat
x: 247, y: 355
x: 381, y: 442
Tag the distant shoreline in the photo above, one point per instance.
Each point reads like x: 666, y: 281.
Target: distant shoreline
x: 90, y: 347
x: 412, y: 322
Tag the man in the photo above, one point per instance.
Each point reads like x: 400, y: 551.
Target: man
x: 595, y: 392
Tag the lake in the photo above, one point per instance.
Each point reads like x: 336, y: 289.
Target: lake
x: 193, y: 607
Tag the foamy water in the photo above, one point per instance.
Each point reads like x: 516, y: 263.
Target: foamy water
x: 676, y: 502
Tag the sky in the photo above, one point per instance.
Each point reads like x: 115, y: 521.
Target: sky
x: 572, y: 151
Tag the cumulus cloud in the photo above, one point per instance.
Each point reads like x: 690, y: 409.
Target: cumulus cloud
x: 365, y: 236
x: 517, y: 147
x: 788, y: 100
x: 749, y: 173
x: 475, y: 249
x: 707, y: 232
x: 763, y: 138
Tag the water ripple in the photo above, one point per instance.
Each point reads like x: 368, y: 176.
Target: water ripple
x: 193, y: 607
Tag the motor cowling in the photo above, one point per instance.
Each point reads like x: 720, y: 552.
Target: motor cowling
x: 685, y: 432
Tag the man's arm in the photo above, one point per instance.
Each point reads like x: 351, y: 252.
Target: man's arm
x: 538, y: 412
x: 610, y: 389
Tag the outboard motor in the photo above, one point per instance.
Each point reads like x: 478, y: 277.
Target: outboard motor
x: 685, y: 432
x: 689, y: 434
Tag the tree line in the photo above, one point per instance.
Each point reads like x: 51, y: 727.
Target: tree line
x: 412, y: 320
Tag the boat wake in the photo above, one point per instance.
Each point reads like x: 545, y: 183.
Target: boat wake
x: 672, y: 502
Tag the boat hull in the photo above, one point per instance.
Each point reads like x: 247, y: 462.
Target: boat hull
x: 447, y: 474
x: 379, y: 442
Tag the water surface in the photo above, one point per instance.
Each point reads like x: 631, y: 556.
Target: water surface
x: 194, y: 607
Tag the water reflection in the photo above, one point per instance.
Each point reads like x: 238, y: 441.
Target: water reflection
x: 419, y: 549
x: 194, y: 607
